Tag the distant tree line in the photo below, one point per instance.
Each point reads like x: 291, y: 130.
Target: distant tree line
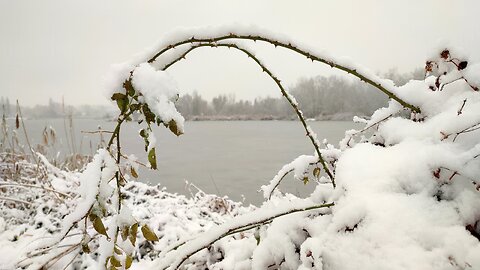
x: 323, y: 98
x: 55, y: 110
x: 319, y: 97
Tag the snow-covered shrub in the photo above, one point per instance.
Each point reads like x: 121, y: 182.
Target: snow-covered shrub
x: 401, y: 193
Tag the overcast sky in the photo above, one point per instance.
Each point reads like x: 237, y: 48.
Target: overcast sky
x: 55, y: 48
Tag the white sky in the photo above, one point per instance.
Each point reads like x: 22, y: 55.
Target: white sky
x: 55, y: 48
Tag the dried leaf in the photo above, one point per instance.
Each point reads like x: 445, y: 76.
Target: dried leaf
x: 125, y: 232
x: 92, y: 217
x: 128, y: 261
x: 316, y: 172
x: 85, y: 248
x: 135, y: 107
x: 148, y: 233
x: 149, y: 115
x: 428, y: 66
x: 152, y: 158
x: 133, y: 172
x: 172, y: 125
x: 305, y: 180
x: 133, y: 233
x: 445, y: 54
x: 17, y: 122
x: 129, y: 88
x: 117, y: 96
x: 122, y: 105
x: 117, y: 250
x: 99, y: 227
x: 115, y: 262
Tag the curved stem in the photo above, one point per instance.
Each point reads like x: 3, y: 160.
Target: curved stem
x: 240, y: 227
x: 116, y: 131
x: 289, y: 98
x: 296, y: 49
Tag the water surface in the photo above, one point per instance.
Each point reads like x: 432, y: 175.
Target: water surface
x: 232, y: 158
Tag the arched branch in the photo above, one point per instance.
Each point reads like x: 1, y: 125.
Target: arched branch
x: 291, y: 100
x: 297, y: 49
x: 176, y: 258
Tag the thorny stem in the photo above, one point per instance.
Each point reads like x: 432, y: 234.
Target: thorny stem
x: 176, y: 265
x: 367, y: 128
x: 116, y: 131
x: 470, y: 128
x: 293, y: 48
x: 118, y: 178
x: 289, y: 98
x: 116, y: 135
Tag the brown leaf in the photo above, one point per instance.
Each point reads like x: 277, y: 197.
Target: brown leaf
x: 125, y: 233
x: 133, y: 172
x: 133, y: 233
x: 99, y: 227
x: 128, y: 261
x: 149, y: 234
x: 115, y: 262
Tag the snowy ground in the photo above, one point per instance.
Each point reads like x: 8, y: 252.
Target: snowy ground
x: 37, y: 213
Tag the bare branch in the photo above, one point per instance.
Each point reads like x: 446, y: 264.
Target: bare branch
x: 293, y: 48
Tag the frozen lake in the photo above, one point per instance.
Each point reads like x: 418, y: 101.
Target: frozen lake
x: 232, y: 158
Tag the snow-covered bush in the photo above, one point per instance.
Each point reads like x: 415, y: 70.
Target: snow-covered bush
x: 401, y: 193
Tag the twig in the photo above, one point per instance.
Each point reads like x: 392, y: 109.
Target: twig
x: 97, y: 131
x: 15, y: 200
x: 7, y: 184
x: 461, y: 108
x: 367, y: 128
x: 135, y: 161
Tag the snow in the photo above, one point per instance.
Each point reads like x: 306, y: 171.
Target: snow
x: 299, y: 166
x: 471, y: 74
x: 152, y: 141
x: 173, y: 217
x: 158, y: 90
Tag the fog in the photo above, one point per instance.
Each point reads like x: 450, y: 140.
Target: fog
x: 58, y: 48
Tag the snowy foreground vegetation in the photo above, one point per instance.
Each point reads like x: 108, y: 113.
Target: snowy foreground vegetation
x: 401, y: 193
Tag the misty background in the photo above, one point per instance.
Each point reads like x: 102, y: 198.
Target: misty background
x: 62, y: 49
